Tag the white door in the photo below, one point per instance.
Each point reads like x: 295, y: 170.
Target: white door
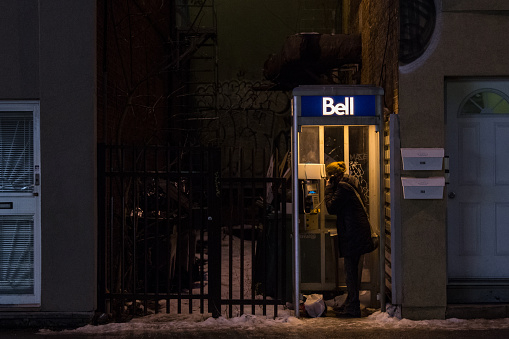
x: 19, y: 203
x: 477, y: 114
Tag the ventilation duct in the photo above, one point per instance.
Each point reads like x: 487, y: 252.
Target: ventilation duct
x: 308, y: 58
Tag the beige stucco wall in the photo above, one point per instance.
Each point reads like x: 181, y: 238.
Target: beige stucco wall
x: 467, y: 42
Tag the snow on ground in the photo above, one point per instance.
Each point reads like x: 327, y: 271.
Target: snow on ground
x: 175, y: 323
x: 189, y: 323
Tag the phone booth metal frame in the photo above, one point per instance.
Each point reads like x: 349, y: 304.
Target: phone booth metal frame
x: 333, y: 105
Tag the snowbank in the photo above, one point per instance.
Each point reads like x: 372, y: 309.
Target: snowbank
x: 189, y: 323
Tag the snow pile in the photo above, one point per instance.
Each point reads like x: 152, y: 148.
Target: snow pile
x: 180, y: 323
x: 383, y: 320
x: 175, y: 323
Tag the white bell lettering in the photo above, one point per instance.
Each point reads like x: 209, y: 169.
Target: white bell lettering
x: 329, y: 108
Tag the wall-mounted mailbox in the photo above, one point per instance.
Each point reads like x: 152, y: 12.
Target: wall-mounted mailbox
x: 423, y: 188
x: 420, y: 159
x: 311, y: 171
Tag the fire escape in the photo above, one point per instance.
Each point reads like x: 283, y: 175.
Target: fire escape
x: 195, y: 34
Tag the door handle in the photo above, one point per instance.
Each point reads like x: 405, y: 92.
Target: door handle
x: 452, y: 195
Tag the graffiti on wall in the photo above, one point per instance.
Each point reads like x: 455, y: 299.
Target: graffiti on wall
x: 359, y: 170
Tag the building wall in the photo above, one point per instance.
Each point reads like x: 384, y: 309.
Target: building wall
x: 49, y: 55
x: 467, y: 42
x: 133, y: 40
x: 378, y: 25
x: 67, y: 65
x: 20, y: 50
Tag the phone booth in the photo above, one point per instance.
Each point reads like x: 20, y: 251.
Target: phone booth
x: 334, y: 123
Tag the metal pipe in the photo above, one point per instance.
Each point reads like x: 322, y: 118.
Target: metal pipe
x: 295, y: 212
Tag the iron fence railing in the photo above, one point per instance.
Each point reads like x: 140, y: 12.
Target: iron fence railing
x: 180, y: 233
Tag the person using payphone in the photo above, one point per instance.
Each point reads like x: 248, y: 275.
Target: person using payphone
x: 343, y: 199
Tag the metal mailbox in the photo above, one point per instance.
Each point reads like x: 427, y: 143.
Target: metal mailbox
x: 423, y: 188
x: 420, y: 159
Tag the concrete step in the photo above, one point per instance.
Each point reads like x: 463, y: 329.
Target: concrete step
x: 477, y: 311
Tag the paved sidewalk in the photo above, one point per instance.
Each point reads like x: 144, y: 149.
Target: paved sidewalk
x: 272, y: 333
x: 316, y: 328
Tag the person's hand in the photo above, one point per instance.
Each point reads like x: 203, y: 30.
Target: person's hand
x: 331, y: 180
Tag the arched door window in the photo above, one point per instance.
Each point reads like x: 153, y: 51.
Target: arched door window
x: 485, y: 101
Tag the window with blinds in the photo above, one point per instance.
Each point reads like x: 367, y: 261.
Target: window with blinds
x: 16, y: 254
x: 16, y: 152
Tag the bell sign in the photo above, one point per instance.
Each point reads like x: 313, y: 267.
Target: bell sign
x: 330, y: 108
x: 323, y: 106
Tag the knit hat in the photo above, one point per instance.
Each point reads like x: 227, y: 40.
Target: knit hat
x: 335, y: 168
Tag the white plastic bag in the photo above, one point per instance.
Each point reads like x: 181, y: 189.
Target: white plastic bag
x: 314, y: 305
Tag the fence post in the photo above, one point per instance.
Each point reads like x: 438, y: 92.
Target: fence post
x: 214, y: 231
x: 101, y: 222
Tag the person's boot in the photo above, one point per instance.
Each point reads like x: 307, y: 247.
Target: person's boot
x: 349, y: 314
x: 350, y: 311
x: 339, y: 309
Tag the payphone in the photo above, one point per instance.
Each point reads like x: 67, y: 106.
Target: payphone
x: 331, y: 123
x: 311, y: 203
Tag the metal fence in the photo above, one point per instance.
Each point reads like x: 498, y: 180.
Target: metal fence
x: 256, y: 238
x: 185, y: 230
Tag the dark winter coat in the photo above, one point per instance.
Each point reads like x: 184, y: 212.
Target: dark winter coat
x: 354, y: 231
